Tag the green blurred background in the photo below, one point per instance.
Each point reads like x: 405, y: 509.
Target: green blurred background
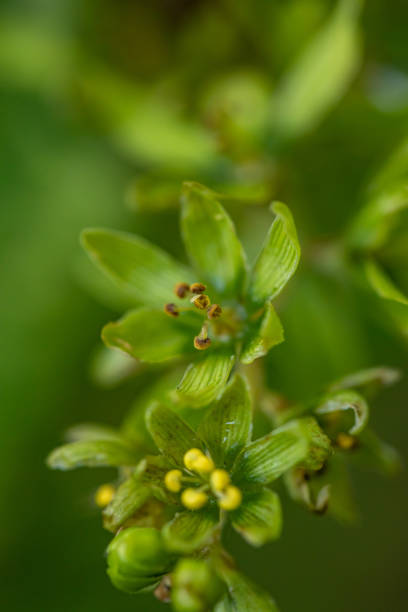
x: 98, y: 94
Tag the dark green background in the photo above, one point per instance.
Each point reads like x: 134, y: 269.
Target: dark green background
x: 59, y: 172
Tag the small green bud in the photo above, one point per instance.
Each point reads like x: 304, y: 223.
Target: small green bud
x: 196, y: 587
x: 137, y: 558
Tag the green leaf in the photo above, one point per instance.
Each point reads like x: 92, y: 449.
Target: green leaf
x: 92, y: 453
x: 190, y: 531
x: 172, y: 436
x: 134, y: 264
x: 151, y: 472
x: 244, y: 595
x: 259, y: 517
x: 227, y: 426
x: 211, y: 241
x: 130, y: 496
x: 150, y: 335
x: 109, y: 368
x: 279, y: 257
x: 203, y: 380
x: 268, y: 333
x: 382, y: 284
x: 340, y: 401
x: 85, y: 432
x: 321, y: 75
x: 371, y: 377
x: 299, y: 442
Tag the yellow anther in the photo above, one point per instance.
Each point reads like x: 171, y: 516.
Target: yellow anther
x: 231, y: 498
x: 171, y: 310
x: 172, y: 480
x: 191, y: 456
x: 203, y: 464
x: 104, y: 495
x: 201, y: 343
x: 193, y: 499
x: 345, y: 441
x: 201, y: 301
x: 219, y: 480
x: 197, y: 288
x: 214, y: 311
x: 181, y: 290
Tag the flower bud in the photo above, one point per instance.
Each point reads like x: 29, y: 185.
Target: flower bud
x: 137, y: 558
x: 196, y: 587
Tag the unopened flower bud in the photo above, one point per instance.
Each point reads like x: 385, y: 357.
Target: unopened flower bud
x: 201, y: 301
x: 171, y: 309
x: 193, y: 499
x: 137, y: 558
x: 197, y: 288
x: 231, y: 498
x: 214, y: 311
x: 182, y: 290
x: 196, y: 587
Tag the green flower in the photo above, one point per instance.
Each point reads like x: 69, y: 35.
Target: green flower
x: 219, y: 307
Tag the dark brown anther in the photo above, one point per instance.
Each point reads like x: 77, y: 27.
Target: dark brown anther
x: 197, y: 288
x: 171, y: 310
x: 182, y: 290
x: 214, y: 311
x: 201, y: 343
x: 201, y: 301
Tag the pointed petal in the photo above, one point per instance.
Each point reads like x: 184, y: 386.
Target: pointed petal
x: 203, y: 380
x: 190, y: 531
x: 259, y: 517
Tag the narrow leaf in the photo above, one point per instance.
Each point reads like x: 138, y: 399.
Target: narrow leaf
x: 259, y: 340
x: 259, y: 517
x: 93, y: 431
x: 150, y: 335
x: 371, y: 377
x: 299, y: 442
x: 190, y: 531
x: 130, y: 496
x: 382, y: 284
x: 172, y: 436
x: 211, y: 241
x: 203, y: 380
x: 92, y: 453
x: 347, y: 400
x: 279, y: 257
x: 144, y: 270
x: 227, y: 426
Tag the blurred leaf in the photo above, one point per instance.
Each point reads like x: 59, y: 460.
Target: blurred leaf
x: 203, y: 380
x: 84, y: 432
x: 259, y: 340
x: 321, y: 75
x: 227, y: 426
x: 92, y: 453
x: 150, y: 335
x: 243, y: 595
x: 136, y: 265
x: 190, y: 531
x: 129, y: 497
x: 259, y: 517
x: 339, y: 401
x: 211, y: 240
x: 279, y: 257
x: 172, y: 436
x: 381, y: 376
x: 299, y: 442
x: 382, y: 284
x: 110, y: 367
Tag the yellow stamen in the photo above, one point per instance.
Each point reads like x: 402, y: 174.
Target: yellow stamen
x: 201, y: 301
x: 203, y: 464
x: 197, y: 288
x: 181, y: 290
x: 219, y: 480
x: 171, y: 310
x: 193, y: 499
x: 345, y: 441
x: 214, y: 311
x: 231, y: 498
x: 172, y: 480
x: 104, y: 495
x: 191, y: 456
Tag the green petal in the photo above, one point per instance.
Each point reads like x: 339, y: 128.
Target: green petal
x: 144, y: 270
x: 227, y: 426
x: 369, y: 378
x: 321, y: 74
x: 298, y: 442
x: 203, y: 380
x: 190, y: 531
x: 130, y: 496
x: 347, y: 400
x: 243, y: 594
x: 172, y: 436
x: 259, y: 517
x: 211, y: 241
x: 279, y: 257
x: 382, y: 284
x: 150, y: 335
x: 260, y: 339
x: 109, y: 368
x: 85, y: 432
x: 151, y: 472
x: 92, y: 453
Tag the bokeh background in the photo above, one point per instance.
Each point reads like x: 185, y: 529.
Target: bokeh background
x: 106, y: 106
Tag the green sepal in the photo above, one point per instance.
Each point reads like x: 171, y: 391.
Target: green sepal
x: 382, y: 284
x: 227, y: 426
x: 129, y: 497
x: 261, y: 338
x: 92, y: 453
x: 299, y: 442
x: 278, y: 259
x: 259, y: 518
x: 172, y: 436
x: 144, y: 270
x: 211, y: 241
x: 367, y: 380
x: 150, y: 472
x: 243, y: 594
x: 150, y: 335
x: 204, y: 379
x: 344, y: 401
x: 191, y: 530
x: 195, y: 586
